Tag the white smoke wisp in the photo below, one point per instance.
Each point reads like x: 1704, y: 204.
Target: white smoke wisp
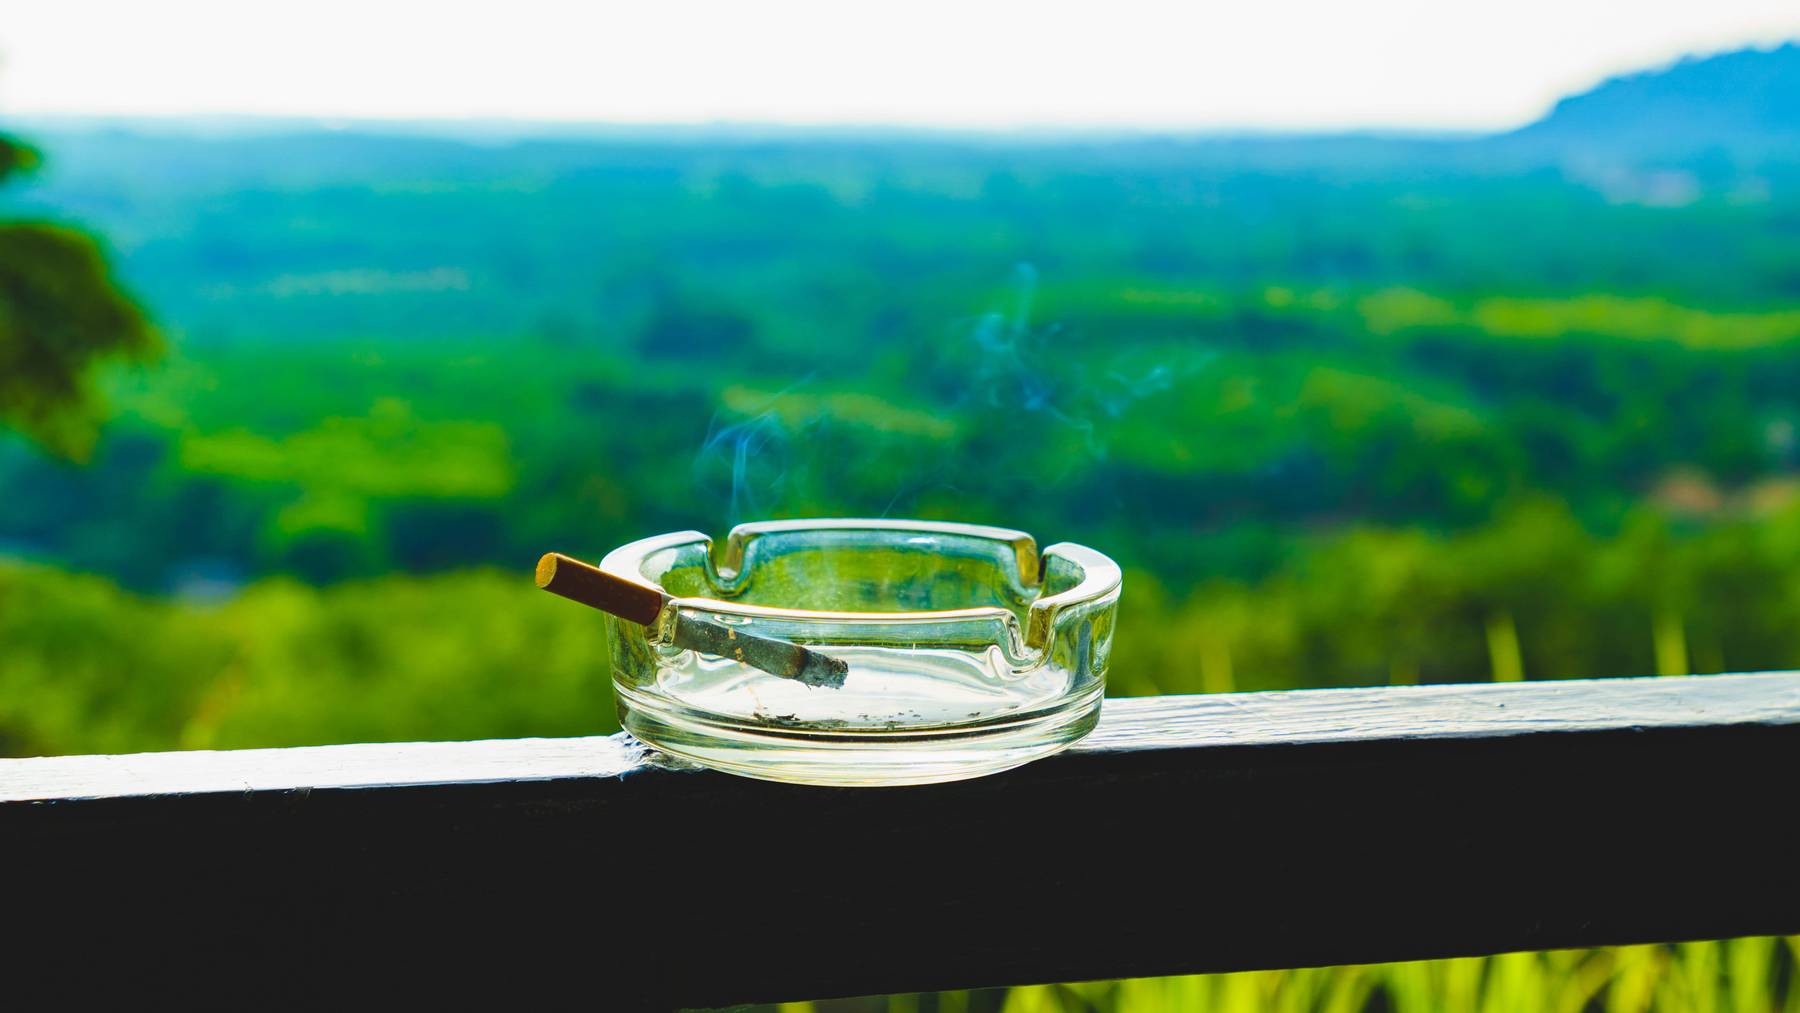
x: 998, y: 406
x: 746, y: 463
x: 1030, y: 374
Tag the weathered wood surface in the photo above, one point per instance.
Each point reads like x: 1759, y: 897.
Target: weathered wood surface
x: 1186, y: 834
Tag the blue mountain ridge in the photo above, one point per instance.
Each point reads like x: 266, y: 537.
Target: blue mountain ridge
x: 1746, y: 102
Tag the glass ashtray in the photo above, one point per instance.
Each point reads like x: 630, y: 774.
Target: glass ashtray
x: 863, y: 652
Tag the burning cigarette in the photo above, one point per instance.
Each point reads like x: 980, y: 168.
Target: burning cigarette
x: 591, y: 586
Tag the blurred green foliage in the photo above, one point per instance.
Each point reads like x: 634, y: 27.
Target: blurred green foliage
x: 90, y: 667
x: 1349, y: 412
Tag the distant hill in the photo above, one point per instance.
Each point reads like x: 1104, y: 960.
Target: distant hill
x: 1745, y: 103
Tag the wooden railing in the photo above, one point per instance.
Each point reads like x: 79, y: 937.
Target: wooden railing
x: 1187, y: 834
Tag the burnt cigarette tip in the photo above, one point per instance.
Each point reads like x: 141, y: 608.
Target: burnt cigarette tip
x: 824, y: 670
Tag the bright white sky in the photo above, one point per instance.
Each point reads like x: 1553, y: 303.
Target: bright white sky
x: 1122, y: 63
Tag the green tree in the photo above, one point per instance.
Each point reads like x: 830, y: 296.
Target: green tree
x: 62, y: 315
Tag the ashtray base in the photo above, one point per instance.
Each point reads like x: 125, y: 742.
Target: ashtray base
x: 800, y: 754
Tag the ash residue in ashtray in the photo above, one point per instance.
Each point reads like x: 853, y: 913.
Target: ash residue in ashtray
x: 905, y: 719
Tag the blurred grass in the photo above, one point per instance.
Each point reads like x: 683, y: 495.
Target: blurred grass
x: 1753, y: 975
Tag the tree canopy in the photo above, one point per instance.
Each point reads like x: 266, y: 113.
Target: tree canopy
x: 62, y: 314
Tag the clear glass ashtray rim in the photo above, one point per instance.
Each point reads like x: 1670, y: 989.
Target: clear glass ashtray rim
x: 1101, y: 577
